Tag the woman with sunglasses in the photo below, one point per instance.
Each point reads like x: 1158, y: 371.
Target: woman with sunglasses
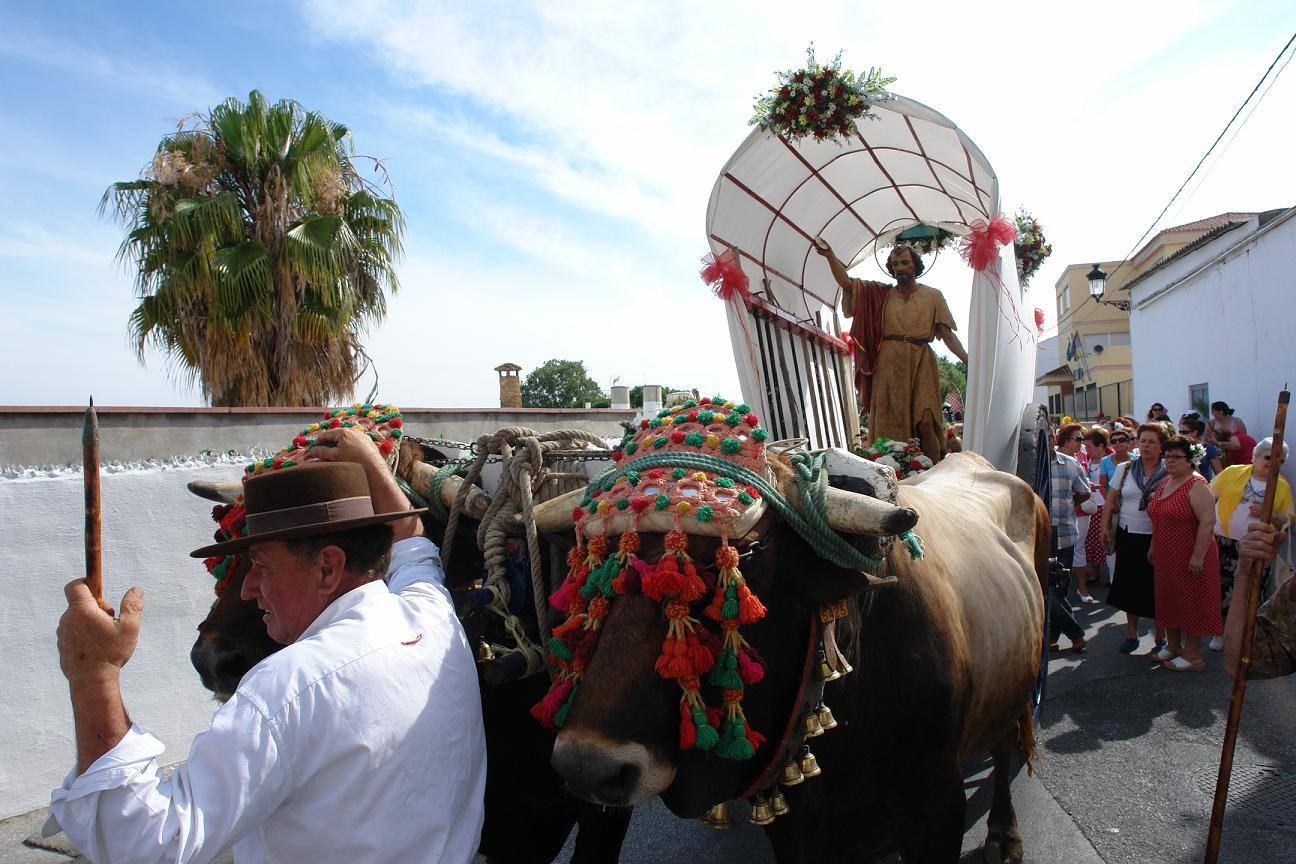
x: 1185, y: 558
x: 1128, y: 530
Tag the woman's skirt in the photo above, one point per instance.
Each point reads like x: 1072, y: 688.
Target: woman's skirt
x: 1134, y: 591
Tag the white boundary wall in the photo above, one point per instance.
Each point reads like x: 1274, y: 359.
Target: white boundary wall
x: 150, y: 524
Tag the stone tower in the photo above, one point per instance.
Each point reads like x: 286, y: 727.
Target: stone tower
x: 510, y: 385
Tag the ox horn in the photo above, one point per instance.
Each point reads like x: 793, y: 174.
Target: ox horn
x: 555, y: 515
x: 226, y: 492
x: 420, y: 480
x: 853, y: 513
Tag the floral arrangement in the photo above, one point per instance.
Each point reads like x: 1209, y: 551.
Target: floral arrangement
x: 1031, y: 246
x: 819, y: 101
x: 1198, y: 454
x: 926, y: 241
x: 904, y: 457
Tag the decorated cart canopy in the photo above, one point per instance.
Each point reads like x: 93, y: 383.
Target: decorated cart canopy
x: 900, y: 166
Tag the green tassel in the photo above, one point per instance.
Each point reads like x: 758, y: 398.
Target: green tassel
x: 707, y: 736
x: 559, y: 649
x: 725, y: 672
x: 560, y: 716
x: 729, y: 608
x: 733, y: 743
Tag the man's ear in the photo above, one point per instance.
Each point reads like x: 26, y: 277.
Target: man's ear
x: 332, y: 563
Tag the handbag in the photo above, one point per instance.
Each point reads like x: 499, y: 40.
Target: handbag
x: 1109, y: 540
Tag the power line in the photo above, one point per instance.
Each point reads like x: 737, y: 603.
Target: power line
x: 1205, y: 156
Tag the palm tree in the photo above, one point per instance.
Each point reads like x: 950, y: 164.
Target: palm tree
x: 260, y: 254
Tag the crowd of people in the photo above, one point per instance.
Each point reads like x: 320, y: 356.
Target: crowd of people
x: 1157, y: 510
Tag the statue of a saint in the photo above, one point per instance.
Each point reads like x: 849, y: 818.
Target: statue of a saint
x: 895, y: 368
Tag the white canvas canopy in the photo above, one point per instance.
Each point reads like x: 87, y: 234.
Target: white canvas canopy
x: 908, y: 166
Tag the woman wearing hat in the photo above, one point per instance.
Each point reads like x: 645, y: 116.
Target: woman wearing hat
x: 361, y: 740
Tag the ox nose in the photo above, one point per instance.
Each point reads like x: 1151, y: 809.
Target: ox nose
x: 220, y: 669
x: 610, y: 776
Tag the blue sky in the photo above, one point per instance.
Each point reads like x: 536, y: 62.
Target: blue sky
x: 555, y: 161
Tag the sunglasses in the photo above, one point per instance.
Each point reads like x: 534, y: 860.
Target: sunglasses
x: 1121, y: 440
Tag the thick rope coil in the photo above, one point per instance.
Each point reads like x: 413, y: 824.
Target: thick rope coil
x: 522, y: 475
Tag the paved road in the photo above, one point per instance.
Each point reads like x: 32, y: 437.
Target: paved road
x: 1126, y: 773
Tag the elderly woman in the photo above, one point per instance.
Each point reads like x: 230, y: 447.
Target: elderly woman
x: 1236, y: 489
x: 1128, y: 528
x: 1185, y: 558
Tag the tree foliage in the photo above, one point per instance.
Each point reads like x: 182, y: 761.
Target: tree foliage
x: 260, y: 255
x: 953, y: 376
x: 561, y: 384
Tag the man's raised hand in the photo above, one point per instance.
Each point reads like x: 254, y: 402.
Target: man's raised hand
x: 92, y: 642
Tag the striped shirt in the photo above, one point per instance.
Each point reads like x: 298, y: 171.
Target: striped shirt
x: 1066, y: 477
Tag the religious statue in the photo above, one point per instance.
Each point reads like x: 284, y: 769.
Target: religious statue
x: 896, y: 375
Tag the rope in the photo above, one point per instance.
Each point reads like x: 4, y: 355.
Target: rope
x: 522, y: 474
x: 812, y: 483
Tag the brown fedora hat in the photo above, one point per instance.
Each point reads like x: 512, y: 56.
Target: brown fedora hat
x: 315, y: 498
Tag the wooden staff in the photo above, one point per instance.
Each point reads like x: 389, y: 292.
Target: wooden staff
x: 1256, y: 570
x: 93, y: 526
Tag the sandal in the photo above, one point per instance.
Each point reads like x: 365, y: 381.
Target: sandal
x: 1129, y: 646
x: 1182, y: 664
x: 1165, y: 654
x: 1087, y: 599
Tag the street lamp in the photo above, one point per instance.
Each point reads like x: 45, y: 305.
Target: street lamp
x: 1098, y: 284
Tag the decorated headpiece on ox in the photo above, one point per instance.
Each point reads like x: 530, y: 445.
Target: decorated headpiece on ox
x: 660, y: 654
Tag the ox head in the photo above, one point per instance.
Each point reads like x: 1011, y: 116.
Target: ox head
x: 619, y: 744
x: 232, y: 638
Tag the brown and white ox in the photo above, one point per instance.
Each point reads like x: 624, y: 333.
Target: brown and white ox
x: 528, y: 812
x: 945, y: 661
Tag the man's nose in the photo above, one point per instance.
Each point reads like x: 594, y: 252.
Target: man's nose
x: 250, y: 583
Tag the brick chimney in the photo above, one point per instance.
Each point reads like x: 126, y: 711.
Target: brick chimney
x: 510, y: 385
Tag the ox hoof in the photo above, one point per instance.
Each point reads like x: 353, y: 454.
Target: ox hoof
x: 1003, y: 848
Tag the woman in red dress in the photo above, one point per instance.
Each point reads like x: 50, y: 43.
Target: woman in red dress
x: 1185, y: 558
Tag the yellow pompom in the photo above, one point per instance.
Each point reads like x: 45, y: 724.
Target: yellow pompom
x: 700, y: 476
x: 603, y: 507
x: 713, y: 441
x: 730, y: 404
x: 719, y: 417
x: 314, y: 427
x: 666, y: 421
x: 681, y: 507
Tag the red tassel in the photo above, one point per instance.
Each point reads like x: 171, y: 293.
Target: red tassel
x: 750, y: 608
x: 756, y: 738
x: 700, y: 656
x: 692, y: 588
x: 687, y: 732
x: 664, y: 580
x: 563, y: 597
x: 546, y: 708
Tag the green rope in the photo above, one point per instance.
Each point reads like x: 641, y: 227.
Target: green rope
x: 812, y: 482
x: 433, y: 500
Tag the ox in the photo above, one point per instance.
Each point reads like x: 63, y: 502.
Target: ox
x: 945, y: 660
x: 528, y: 813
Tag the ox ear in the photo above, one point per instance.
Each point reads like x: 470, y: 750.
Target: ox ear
x: 225, y: 493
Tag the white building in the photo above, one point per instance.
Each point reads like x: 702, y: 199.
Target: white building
x: 1215, y: 321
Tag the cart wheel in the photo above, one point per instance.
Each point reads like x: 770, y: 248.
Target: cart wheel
x: 1033, y: 449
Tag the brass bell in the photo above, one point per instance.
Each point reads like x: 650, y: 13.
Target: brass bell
x: 808, y: 764
x: 826, y: 719
x: 846, y: 667
x: 824, y: 671
x: 810, y: 725
x: 761, y: 811
x: 485, y: 653
x: 791, y: 775
x: 778, y: 804
x: 718, y: 817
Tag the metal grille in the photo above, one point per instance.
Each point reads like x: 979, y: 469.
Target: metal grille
x: 1259, y: 791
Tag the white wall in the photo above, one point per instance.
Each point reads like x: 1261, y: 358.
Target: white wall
x: 150, y: 523
x: 1231, y: 325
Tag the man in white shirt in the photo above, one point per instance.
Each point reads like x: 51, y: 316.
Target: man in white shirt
x: 359, y: 741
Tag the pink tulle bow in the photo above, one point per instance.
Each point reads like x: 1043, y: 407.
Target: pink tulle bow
x: 724, y: 274
x: 1039, y: 320
x: 982, y: 246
